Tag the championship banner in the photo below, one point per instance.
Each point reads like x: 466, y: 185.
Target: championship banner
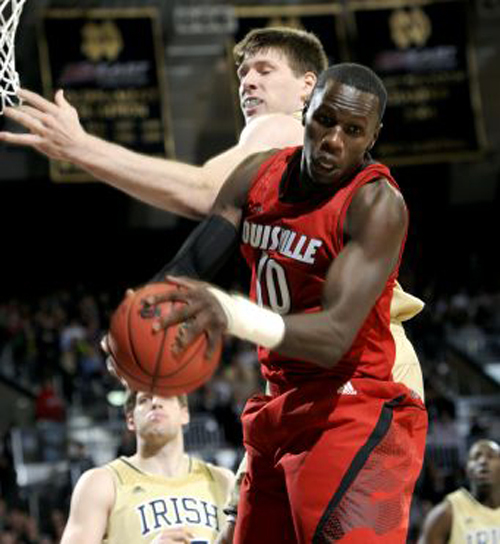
x: 422, y: 52
x: 323, y: 20
x: 110, y: 64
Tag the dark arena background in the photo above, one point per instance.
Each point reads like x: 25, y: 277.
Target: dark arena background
x: 71, y: 246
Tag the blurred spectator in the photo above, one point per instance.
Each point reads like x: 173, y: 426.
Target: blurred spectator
x: 57, y: 524
x: 79, y: 461
x: 49, y: 406
x: 9, y: 537
x: 8, y: 478
x: 127, y: 445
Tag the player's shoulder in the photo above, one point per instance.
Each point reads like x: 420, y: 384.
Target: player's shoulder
x: 380, y: 192
x: 273, y: 130
x: 437, y: 524
x: 98, y: 475
x: 440, y: 516
x: 442, y: 509
x: 381, y: 187
x: 460, y: 495
x: 224, y: 474
x: 95, y: 478
x: 217, y: 472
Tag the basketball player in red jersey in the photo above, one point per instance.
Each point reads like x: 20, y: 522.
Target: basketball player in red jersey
x: 335, y: 450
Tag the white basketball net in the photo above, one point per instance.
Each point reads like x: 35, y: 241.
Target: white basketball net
x: 10, y: 12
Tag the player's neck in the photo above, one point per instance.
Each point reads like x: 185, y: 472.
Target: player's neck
x: 297, y: 114
x: 167, y: 460
x: 489, y: 497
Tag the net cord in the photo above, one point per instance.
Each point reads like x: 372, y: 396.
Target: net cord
x: 10, y: 13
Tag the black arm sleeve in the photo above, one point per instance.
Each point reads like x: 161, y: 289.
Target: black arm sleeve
x: 207, y: 248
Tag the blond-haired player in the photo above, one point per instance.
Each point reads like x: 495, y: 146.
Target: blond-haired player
x: 160, y: 494
x: 277, y: 68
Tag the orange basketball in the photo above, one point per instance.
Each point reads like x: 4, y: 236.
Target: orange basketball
x: 144, y: 358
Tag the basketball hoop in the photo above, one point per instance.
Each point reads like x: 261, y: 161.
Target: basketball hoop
x: 10, y: 12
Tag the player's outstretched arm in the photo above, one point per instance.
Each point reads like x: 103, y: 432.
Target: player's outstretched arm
x: 55, y: 131
x: 91, y: 504
x: 437, y: 526
x: 215, y: 239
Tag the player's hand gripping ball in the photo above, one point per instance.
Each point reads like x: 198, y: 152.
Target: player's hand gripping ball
x: 145, y: 359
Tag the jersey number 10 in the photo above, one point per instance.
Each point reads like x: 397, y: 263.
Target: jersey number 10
x: 272, y: 286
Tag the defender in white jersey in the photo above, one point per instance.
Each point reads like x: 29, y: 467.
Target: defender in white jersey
x: 470, y: 517
x: 159, y: 495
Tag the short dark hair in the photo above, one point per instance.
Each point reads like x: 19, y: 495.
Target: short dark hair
x: 358, y: 76
x: 131, y: 398
x: 302, y: 49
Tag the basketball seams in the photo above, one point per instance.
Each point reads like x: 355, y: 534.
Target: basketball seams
x: 178, y: 388
x: 159, y: 358
x: 209, y: 371
x: 144, y: 360
x: 116, y: 360
x: 130, y: 337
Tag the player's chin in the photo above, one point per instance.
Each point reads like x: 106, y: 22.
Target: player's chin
x: 484, y: 480
x: 253, y: 113
x: 157, y: 432
x: 324, y: 179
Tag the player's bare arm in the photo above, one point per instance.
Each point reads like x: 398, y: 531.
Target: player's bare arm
x: 437, y: 526
x: 55, y: 131
x: 91, y: 503
x: 211, y: 243
x: 376, y: 224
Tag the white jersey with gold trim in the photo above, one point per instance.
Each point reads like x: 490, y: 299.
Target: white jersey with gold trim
x: 472, y: 522
x: 146, y: 504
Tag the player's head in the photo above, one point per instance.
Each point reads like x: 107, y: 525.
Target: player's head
x: 154, y: 418
x: 277, y: 68
x: 342, y: 121
x: 483, y: 466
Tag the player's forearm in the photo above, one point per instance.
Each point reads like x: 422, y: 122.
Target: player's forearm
x: 232, y: 505
x: 170, y: 185
x: 82, y: 535
x: 319, y: 338
x: 316, y: 338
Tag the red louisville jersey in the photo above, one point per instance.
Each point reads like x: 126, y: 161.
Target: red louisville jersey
x: 290, y: 248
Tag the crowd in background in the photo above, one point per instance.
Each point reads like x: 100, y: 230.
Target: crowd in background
x: 50, y: 347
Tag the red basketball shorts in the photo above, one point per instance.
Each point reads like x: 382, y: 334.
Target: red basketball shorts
x: 325, y: 466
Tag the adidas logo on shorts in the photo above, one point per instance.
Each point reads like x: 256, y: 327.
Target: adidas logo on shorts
x: 347, y: 389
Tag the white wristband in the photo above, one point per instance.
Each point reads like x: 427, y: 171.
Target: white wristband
x: 248, y: 321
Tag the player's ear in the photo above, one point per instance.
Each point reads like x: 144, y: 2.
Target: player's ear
x: 375, y: 137
x: 129, y: 419
x: 185, y: 416
x: 310, y: 79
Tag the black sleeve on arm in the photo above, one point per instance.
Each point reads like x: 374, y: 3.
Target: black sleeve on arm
x: 207, y: 248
